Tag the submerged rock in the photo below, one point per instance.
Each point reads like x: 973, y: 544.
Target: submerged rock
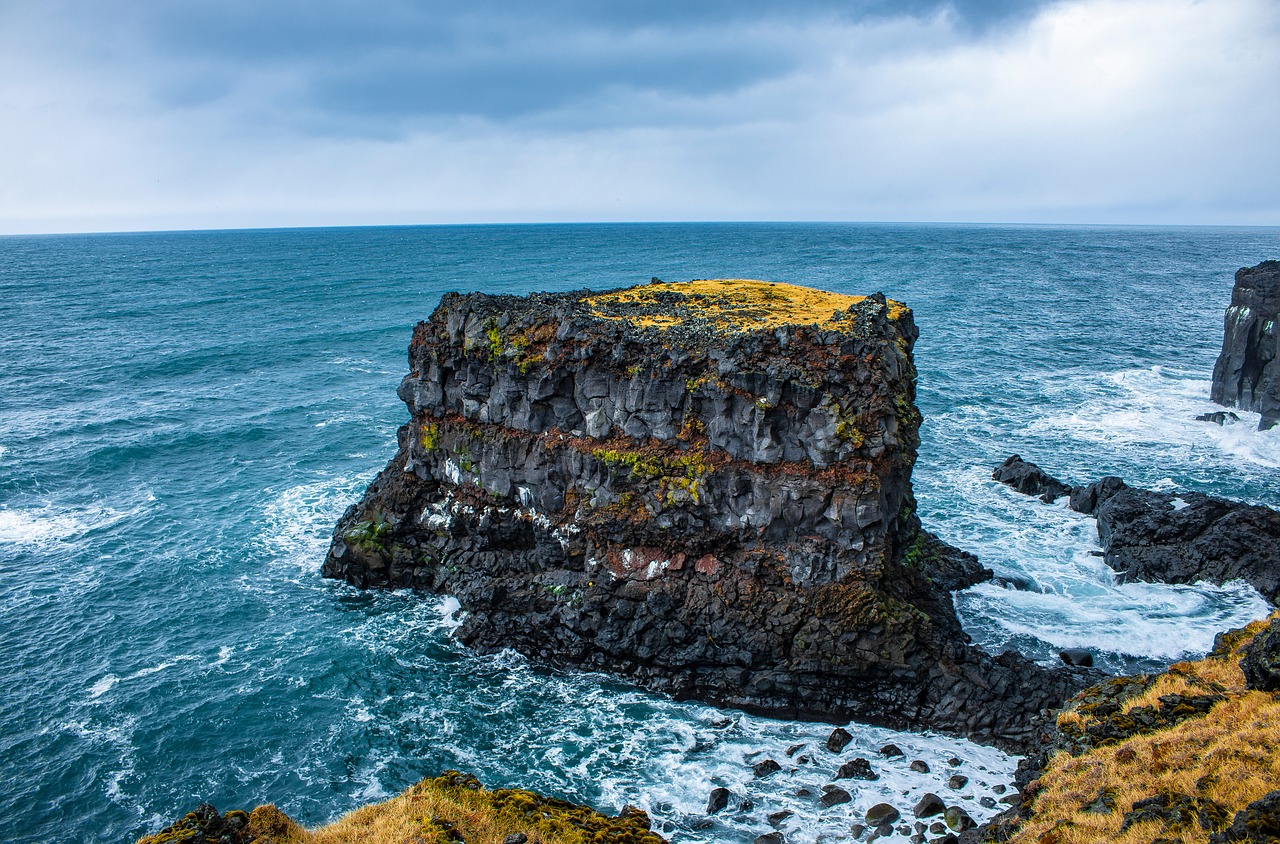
x: 1218, y: 417
x: 703, y: 487
x: 1247, y: 374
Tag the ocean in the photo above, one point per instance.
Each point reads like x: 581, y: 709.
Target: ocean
x: 184, y: 416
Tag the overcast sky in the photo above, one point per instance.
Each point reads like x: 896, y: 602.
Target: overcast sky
x: 173, y: 114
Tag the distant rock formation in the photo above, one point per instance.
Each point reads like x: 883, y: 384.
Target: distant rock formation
x: 704, y: 487
x: 1247, y: 374
x: 1166, y: 537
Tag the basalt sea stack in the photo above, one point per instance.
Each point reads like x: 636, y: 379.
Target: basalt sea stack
x: 1247, y: 373
x: 704, y: 487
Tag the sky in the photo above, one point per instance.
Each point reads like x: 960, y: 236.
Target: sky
x: 181, y: 114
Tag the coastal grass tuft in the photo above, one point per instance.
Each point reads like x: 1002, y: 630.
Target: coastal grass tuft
x: 1193, y: 769
x: 454, y: 806
x: 445, y: 809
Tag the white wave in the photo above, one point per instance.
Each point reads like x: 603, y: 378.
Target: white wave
x: 18, y: 527
x: 1157, y: 406
x: 1074, y: 600
x: 102, y: 686
x: 162, y: 666
x: 450, y: 613
x: 581, y: 737
x: 47, y: 525
x: 300, y: 520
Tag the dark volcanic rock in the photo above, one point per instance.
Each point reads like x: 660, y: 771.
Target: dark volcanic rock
x: 204, y: 825
x: 1182, y: 538
x: 1076, y: 656
x: 930, y: 804
x: 1261, y: 660
x: 1257, y: 823
x: 882, y: 813
x: 635, y: 482
x: 765, y: 768
x: 838, y: 740
x: 857, y: 769
x: 1247, y: 374
x: 1218, y: 417
x: 717, y: 800
x: 834, y: 796
x: 1029, y: 479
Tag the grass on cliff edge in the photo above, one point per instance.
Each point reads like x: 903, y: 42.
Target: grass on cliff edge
x: 734, y: 304
x: 450, y: 808
x: 1230, y: 756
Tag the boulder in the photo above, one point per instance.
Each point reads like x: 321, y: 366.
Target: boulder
x: 838, y: 739
x: 882, y: 813
x: 1076, y: 656
x: 858, y: 769
x: 929, y: 805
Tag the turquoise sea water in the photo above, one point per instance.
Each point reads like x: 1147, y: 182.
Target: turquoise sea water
x: 184, y: 416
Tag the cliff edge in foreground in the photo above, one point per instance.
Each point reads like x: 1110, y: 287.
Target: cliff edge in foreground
x: 1187, y: 755
x: 704, y: 487
x: 1247, y: 373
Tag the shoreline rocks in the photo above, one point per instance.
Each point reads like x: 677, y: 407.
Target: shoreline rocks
x: 1247, y: 372
x: 716, y: 504
x: 1167, y: 537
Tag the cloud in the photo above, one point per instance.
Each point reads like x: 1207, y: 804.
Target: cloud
x: 236, y: 114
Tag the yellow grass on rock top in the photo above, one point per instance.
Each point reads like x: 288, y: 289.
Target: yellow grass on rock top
x: 728, y: 304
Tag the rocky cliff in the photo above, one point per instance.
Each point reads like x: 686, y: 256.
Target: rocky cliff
x: 705, y: 487
x: 1247, y: 373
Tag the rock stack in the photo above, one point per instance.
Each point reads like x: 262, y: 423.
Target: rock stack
x: 702, y: 486
x: 1247, y: 373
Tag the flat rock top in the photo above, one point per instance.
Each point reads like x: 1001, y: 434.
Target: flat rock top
x: 727, y: 305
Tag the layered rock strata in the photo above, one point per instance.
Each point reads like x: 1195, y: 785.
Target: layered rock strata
x: 1247, y: 373
x: 1167, y: 537
x: 704, y: 487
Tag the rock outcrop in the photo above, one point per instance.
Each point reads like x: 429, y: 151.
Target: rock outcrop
x: 1247, y: 373
x: 1166, y: 537
x: 704, y: 487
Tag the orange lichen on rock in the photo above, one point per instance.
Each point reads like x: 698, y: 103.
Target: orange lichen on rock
x: 731, y: 304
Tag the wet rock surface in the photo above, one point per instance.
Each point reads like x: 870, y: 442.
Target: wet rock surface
x: 1173, y: 538
x: 715, y: 513
x: 1247, y: 373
